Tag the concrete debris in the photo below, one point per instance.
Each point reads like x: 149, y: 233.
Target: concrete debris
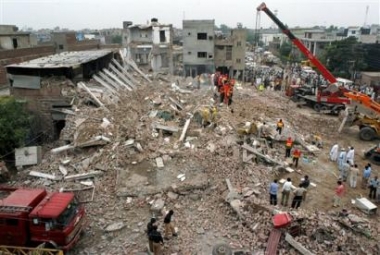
x: 130, y: 159
x: 115, y: 227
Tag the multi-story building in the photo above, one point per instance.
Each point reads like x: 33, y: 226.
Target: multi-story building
x: 198, y: 47
x: 151, y: 44
x: 230, y: 53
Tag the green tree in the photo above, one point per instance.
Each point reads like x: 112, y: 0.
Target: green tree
x: 225, y: 29
x: 117, y: 39
x: 345, y: 56
x: 14, y: 125
x: 285, y: 49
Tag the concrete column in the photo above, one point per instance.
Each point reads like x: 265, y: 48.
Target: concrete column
x: 315, y: 49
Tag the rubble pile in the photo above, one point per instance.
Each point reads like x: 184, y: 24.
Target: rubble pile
x: 148, y: 153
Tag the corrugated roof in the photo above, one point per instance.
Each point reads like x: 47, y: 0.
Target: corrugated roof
x: 64, y: 59
x: 52, y: 206
x: 23, y: 197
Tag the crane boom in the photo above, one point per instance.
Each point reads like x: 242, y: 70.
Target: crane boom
x: 297, y: 42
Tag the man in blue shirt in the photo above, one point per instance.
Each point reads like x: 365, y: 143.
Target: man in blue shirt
x: 273, y: 189
x: 366, y: 175
x: 373, y: 185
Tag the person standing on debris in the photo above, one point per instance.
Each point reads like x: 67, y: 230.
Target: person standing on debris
x: 149, y: 229
x: 299, y: 194
x: 339, y: 190
x: 366, y: 175
x: 273, y: 189
x: 350, y: 156
x: 280, y: 126
x: 354, y: 176
x: 346, y: 168
x: 305, y: 183
x: 288, y: 147
x: 334, y: 152
x: 157, y: 240
x: 286, y: 188
x: 341, y: 159
x: 373, y: 185
x: 296, y: 157
x: 169, y: 228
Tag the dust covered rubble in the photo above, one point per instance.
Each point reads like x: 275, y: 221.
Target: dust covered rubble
x: 141, y: 127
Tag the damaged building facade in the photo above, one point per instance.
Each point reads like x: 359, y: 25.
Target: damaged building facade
x: 230, y: 53
x: 198, y: 47
x: 151, y: 45
x: 47, y: 85
x: 204, y: 51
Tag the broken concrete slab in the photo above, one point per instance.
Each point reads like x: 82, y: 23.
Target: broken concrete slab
x: 62, y: 148
x: 45, y: 176
x: 297, y: 245
x: 160, y: 162
x: 63, y: 170
x: 157, y: 206
x: 115, y: 226
x: 83, y: 176
x: 165, y: 128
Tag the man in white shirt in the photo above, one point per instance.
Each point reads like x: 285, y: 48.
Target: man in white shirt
x: 334, y: 152
x: 286, y: 189
x: 350, y: 156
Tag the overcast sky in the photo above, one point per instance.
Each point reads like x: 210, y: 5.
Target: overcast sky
x: 77, y: 14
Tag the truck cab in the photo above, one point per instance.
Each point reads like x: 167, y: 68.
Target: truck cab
x: 29, y: 217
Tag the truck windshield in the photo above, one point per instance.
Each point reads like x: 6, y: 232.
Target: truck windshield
x: 65, y: 218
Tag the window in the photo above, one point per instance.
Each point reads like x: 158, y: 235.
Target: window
x: 238, y: 44
x: 11, y: 222
x: 189, y: 33
x: 238, y: 60
x: 189, y: 53
x: 15, y: 44
x: 353, y: 32
x: 202, y: 36
x: 162, y: 36
x: 229, y: 53
x: 220, y: 47
x: 60, y: 46
x: 210, y: 56
x: 202, y: 54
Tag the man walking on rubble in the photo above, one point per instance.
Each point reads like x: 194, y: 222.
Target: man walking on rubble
x: 354, y: 176
x: 366, y: 175
x: 350, y: 156
x: 339, y: 190
x: 296, y: 157
x: 373, y: 185
x: 341, y: 159
x: 169, y: 228
x: 149, y: 230
x: 286, y: 188
x: 334, y: 152
x: 346, y: 168
x: 157, y: 240
x: 305, y: 183
x: 288, y: 147
x: 280, y: 126
x: 273, y: 189
x: 298, y: 196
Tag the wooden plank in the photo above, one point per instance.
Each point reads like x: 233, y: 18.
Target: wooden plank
x: 250, y: 149
x: 122, y: 76
x: 297, y: 245
x: 83, y: 176
x: 104, y: 84
x: 133, y: 64
x: 176, y: 103
x: 44, y: 176
x: 185, y: 129
x: 125, y: 72
x: 97, y: 101
x: 109, y: 80
x: 115, y: 78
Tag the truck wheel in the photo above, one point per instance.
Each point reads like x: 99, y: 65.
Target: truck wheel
x: 375, y: 158
x: 221, y: 249
x: 367, y: 134
x: 317, y: 107
x: 324, y: 108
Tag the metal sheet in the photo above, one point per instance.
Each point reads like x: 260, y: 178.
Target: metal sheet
x: 26, y: 82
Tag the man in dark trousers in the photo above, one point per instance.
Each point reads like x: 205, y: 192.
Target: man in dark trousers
x: 149, y: 229
x: 298, y: 196
x: 157, y: 240
x: 169, y: 228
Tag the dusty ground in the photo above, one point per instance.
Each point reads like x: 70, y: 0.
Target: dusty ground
x: 201, y: 214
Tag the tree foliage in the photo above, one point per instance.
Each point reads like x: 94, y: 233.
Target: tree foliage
x: 345, y: 56
x: 117, y: 39
x: 14, y: 125
x: 285, y: 49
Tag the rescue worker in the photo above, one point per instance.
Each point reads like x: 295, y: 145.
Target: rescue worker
x: 296, y: 156
x: 280, y: 126
x: 298, y: 196
x: 169, y: 228
x: 157, y: 240
x: 222, y: 89
x: 149, y: 229
x: 288, y: 147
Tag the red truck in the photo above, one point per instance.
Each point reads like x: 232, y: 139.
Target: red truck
x: 30, y: 217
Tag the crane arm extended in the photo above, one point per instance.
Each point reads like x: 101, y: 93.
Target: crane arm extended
x: 364, y: 100
x: 297, y: 42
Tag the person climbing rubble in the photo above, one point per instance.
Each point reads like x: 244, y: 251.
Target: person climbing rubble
x: 157, y: 240
x: 149, y: 230
x: 280, y: 126
x: 341, y: 159
x: 334, y: 152
x: 273, y: 189
x: 288, y: 147
x: 286, y: 189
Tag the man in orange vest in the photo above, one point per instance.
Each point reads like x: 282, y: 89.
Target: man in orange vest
x: 296, y: 156
x: 288, y: 147
x: 280, y: 125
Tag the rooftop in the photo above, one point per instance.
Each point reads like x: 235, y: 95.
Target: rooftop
x: 64, y: 59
